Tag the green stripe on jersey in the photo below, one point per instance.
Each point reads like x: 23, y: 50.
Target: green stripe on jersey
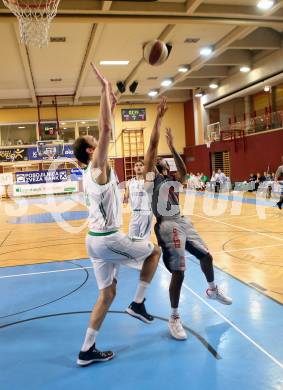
x: 102, y: 233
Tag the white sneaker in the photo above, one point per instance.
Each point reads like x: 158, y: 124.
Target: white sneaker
x: 216, y: 293
x: 176, y: 329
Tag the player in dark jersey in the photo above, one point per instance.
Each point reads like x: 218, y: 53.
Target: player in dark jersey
x: 174, y: 232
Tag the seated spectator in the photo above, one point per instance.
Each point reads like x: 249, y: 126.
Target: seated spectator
x: 267, y: 176
x: 252, y: 180
x: 204, y: 178
x: 259, y: 179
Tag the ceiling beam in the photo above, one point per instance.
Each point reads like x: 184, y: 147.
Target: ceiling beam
x: 220, y: 72
x: 219, y: 48
x: 145, y: 18
x: 96, y: 34
x: 192, y: 5
x: 236, y: 34
x: 240, y: 11
x: 192, y: 83
x: 261, y: 39
x: 23, y: 50
x: 232, y: 57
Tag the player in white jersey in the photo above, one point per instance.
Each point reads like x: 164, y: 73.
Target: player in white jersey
x: 107, y: 247
x: 278, y: 176
x: 141, y: 219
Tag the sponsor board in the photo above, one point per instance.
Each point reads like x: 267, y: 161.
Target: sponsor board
x: 36, y: 177
x: 44, y: 188
x: 33, y: 153
x: 13, y: 154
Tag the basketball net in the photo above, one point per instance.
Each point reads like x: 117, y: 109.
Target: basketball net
x: 208, y: 143
x: 34, y: 18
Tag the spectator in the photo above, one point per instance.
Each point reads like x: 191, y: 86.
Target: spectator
x: 220, y: 179
x: 259, y: 179
x: 252, y: 180
x: 204, y: 178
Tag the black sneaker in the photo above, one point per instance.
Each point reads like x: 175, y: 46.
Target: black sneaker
x: 93, y: 356
x: 279, y: 205
x: 138, y: 310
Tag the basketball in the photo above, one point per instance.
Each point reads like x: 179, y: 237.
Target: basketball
x: 136, y: 187
x: 155, y: 52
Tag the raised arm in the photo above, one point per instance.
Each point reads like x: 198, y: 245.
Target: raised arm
x: 100, y: 155
x: 278, y: 174
x: 181, y: 167
x: 150, y: 157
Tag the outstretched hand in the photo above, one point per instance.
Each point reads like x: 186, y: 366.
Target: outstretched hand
x: 102, y: 80
x: 169, y: 137
x: 162, y: 107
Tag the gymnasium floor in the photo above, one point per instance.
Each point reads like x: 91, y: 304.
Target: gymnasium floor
x: 47, y: 290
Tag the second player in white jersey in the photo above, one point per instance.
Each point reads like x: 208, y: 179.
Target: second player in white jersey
x: 141, y: 218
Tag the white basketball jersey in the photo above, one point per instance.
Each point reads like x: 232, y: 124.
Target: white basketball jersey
x: 138, y: 196
x: 103, y: 202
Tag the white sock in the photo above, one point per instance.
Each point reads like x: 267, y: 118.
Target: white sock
x: 89, y: 340
x: 141, y: 290
x: 212, y: 285
x: 175, y: 312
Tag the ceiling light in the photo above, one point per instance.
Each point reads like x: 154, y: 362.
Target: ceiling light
x: 166, y: 83
x: 245, y: 69
x: 83, y: 123
x: 21, y: 127
x: 63, y: 123
x: 199, y: 93
x: 266, y: 88
x: 183, y: 69
x: 152, y: 93
x: 65, y: 128
x: 206, y: 51
x: 265, y: 4
x: 114, y: 62
x: 213, y: 85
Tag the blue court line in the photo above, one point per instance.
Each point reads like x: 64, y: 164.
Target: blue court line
x: 254, y: 201
x: 50, y: 218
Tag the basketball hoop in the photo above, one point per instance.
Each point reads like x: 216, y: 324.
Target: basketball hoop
x: 34, y: 18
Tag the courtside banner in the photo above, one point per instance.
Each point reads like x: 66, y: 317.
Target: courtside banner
x: 33, y: 154
x: 37, y: 177
x: 13, y: 154
x: 44, y: 188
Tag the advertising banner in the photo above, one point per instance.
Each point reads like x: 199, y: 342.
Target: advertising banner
x: 44, y: 188
x: 13, y: 154
x: 35, y: 177
x: 34, y: 155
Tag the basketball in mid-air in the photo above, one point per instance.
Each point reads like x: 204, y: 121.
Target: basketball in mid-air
x: 155, y: 52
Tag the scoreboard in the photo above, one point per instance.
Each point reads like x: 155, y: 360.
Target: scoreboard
x: 133, y: 114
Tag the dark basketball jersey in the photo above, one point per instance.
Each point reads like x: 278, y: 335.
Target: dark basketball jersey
x: 165, y: 197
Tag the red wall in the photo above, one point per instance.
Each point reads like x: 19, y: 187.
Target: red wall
x: 119, y: 169
x: 261, y: 150
x: 189, y: 122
